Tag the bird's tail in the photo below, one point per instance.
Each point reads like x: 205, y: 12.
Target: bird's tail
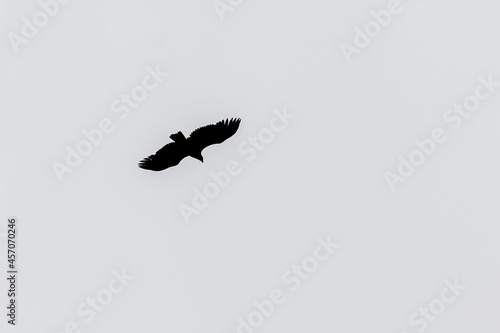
x: 178, y: 137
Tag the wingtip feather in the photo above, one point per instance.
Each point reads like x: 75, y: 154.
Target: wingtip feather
x: 145, y: 163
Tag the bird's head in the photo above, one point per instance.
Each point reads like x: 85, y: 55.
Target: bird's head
x: 199, y: 157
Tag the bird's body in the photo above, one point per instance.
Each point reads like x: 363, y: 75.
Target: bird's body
x: 181, y: 147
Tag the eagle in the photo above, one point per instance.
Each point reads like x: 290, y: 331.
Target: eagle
x: 174, y: 152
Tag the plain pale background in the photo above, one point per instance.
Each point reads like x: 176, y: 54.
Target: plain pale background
x: 322, y: 176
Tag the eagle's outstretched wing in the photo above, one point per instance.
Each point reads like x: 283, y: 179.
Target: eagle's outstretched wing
x: 168, y: 156
x: 213, y: 134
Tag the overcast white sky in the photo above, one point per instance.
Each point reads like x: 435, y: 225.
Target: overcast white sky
x: 322, y: 174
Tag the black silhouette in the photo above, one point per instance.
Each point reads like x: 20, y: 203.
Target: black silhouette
x: 172, y: 153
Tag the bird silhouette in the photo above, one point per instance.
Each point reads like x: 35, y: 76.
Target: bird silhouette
x: 174, y: 152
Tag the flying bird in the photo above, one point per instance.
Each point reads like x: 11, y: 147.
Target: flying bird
x: 174, y: 152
